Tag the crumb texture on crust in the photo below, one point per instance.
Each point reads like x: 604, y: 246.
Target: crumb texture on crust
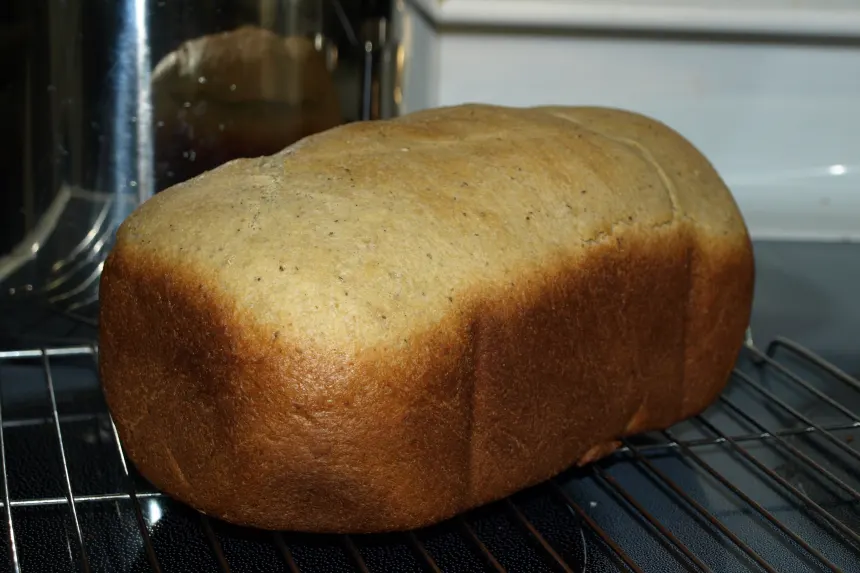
x: 391, y: 322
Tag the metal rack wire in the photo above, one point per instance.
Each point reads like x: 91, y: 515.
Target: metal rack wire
x: 784, y: 404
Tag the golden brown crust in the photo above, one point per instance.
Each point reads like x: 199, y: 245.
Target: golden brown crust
x: 515, y: 382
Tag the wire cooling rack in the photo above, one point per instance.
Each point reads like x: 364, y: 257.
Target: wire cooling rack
x: 766, y: 480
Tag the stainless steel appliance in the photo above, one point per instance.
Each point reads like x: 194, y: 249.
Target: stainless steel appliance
x: 765, y: 480
x: 105, y: 102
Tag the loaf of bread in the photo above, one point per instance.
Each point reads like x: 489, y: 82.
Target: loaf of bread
x: 392, y: 322
x: 241, y: 93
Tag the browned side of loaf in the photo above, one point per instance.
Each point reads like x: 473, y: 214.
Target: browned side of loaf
x: 590, y: 353
x: 639, y: 333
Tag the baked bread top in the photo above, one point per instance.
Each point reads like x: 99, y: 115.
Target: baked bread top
x: 374, y: 231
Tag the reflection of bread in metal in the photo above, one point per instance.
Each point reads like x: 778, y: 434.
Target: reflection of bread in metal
x: 243, y: 93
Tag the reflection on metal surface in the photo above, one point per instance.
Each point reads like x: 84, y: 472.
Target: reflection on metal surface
x: 80, y: 157
x: 133, y: 111
x: 104, y: 103
x: 240, y: 93
x: 382, y: 69
x: 29, y: 246
x: 153, y: 511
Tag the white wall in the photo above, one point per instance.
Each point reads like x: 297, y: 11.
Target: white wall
x: 779, y: 119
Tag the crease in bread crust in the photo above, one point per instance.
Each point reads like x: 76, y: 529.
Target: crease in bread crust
x: 513, y: 381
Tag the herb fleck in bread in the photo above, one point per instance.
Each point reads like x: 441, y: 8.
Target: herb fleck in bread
x: 391, y: 322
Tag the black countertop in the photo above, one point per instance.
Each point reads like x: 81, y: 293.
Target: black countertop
x: 810, y: 293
